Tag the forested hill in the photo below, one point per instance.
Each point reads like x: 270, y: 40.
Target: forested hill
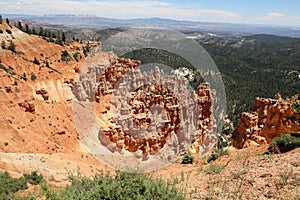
x: 255, y: 66
x: 251, y: 66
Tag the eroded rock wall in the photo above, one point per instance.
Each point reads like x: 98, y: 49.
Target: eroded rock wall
x: 269, y: 118
x: 150, y: 108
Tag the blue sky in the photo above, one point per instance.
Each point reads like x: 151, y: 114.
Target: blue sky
x: 275, y: 12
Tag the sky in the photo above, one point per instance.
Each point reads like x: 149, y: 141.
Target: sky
x: 273, y: 12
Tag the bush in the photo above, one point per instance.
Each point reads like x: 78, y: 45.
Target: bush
x: 214, y: 169
x: 76, y: 56
x: 9, y: 185
x: 285, y: 143
x: 65, y: 56
x: 33, y: 77
x: 124, y: 186
x: 216, y: 154
x: 296, y: 108
x: 1, y: 31
x: 12, y: 46
x: 187, y: 159
x: 33, y: 178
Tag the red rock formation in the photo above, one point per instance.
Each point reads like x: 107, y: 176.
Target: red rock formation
x: 8, y: 89
x: 269, y: 118
x: 28, y: 105
x: 155, y: 99
x: 43, y: 92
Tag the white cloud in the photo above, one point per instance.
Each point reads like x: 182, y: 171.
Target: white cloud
x: 117, y: 9
x: 276, y: 18
x: 274, y: 14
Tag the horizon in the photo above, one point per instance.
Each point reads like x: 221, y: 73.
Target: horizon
x: 274, y: 13
x: 145, y: 18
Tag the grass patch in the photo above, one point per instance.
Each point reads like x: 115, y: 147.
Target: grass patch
x: 239, y: 173
x: 213, y: 169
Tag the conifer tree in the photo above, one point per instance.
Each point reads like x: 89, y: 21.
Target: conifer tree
x: 63, y: 37
x: 27, y: 28
x: 20, y: 26
x: 12, y: 46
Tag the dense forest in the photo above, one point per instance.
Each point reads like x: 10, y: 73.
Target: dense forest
x: 251, y: 66
x: 256, y: 66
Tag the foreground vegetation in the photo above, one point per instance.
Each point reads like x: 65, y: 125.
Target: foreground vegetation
x: 122, y: 186
x: 285, y: 143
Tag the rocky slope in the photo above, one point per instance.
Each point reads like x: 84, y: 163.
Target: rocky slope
x: 36, y: 91
x: 268, y: 118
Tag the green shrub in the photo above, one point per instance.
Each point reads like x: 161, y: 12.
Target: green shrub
x: 296, y: 108
x: 187, y: 159
x: 124, y: 186
x: 33, y: 178
x: 33, y: 77
x: 285, y: 142
x: 214, y: 169
x: 76, y: 56
x: 9, y: 185
x: 216, y: 154
x: 12, y: 46
x: 65, y: 56
x: 1, y: 31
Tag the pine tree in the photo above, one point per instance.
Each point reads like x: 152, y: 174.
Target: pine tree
x: 27, y: 28
x: 33, y: 31
x: 1, y: 20
x: 20, y: 26
x: 41, y: 33
x: 46, y: 33
x: 63, y: 37
x: 7, y: 21
x: 12, y: 46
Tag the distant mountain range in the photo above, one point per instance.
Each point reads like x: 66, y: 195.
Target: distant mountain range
x: 91, y: 21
